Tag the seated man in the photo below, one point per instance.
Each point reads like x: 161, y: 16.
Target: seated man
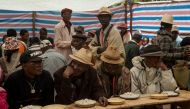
x: 78, y: 42
x: 78, y: 80
x: 113, y: 76
x: 31, y: 85
x: 150, y: 75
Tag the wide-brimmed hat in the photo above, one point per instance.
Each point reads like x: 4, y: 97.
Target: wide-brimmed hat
x: 167, y: 18
x: 112, y: 56
x: 80, y: 36
x: 152, y: 50
x: 79, y: 29
x: 104, y: 11
x: 11, y: 43
x: 83, y: 56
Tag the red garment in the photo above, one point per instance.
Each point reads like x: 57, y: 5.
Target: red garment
x: 3, y: 98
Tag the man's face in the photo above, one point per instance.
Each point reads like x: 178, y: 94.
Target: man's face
x: 78, y: 67
x: 66, y: 16
x: 104, y: 19
x: 43, y: 34
x: 112, y: 69
x: 77, y: 43
x: 25, y: 36
x: 174, y: 35
x: 154, y: 61
x: 34, y: 68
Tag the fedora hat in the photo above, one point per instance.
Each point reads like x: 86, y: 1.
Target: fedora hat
x: 104, y: 10
x: 152, y: 50
x: 167, y: 18
x: 83, y: 55
x: 112, y: 56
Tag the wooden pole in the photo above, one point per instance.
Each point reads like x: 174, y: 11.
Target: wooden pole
x: 33, y: 23
x: 125, y: 4
x: 131, y: 15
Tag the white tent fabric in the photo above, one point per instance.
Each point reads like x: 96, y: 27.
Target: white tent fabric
x: 54, y: 5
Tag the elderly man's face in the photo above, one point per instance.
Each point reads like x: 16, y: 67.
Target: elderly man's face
x: 78, y: 67
x: 112, y: 69
x: 66, y: 16
x: 104, y: 19
x: 33, y: 68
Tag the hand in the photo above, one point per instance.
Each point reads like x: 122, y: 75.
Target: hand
x: 101, y: 49
x: 68, y: 71
x: 163, y: 66
x: 103, y: 101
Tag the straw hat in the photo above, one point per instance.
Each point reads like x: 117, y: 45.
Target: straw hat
x: 112, y: 56
x: 152, y: 50
x: 11, y: 43
x: 104, y: 10
x: 83, y: 55
x: 174, y: 28
x: 166, y: 18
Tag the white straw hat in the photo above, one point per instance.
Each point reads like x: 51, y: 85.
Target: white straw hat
x: 104, y: 10
x: 167, y: 18
x: 83, y: 55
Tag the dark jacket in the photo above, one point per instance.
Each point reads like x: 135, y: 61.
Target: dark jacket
x: 18, y: 87
x: 75, y: 88
x: 131, y: 50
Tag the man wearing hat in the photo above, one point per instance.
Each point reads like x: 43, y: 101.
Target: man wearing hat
x: 107, y: 35
x: 175, y: 36
x: 78, y: 41
x: 31, y: 85
x: 114, y: 78
x: 149, y: 74
x: 132, y: 49
x: 63, y: 34
x: 166, y: 43
x: 78, y: 80
x: 125, y: 34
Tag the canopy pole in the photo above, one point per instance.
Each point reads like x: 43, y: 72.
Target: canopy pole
x: 131, y: 15
x: 125, y: 4
x: 33, y: 23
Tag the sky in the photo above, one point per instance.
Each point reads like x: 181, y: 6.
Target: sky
x: 55, y: 5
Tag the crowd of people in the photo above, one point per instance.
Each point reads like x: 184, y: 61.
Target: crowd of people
x: 101, y: 64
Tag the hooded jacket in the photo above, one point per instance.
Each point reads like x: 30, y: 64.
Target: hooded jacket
x: 145, y: 80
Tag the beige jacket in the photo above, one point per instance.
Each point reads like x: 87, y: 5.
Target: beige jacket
x: 146, y: 80
x: 114, y: 40
x: 63, y: 39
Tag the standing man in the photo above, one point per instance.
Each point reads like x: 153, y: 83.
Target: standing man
x: 175, y: 36
x: 107, y: 35
x: 24, y: 37
x: 165, y: 42
x: 63, y: 34
x: 132, y: 49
